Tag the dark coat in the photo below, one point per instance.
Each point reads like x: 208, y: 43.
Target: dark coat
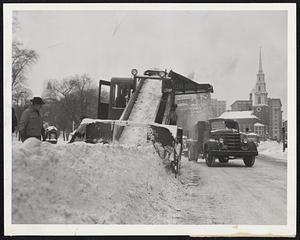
x: 121, y: 101
x: 31, y: 124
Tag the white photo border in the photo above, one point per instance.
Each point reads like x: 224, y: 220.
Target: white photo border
x: 192, y: 230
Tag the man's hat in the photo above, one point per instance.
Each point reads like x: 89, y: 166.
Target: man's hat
x: 37, y: 100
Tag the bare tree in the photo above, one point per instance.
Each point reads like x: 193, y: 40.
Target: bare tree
x: 20, y: 95
x: 21, y: 59
x: 74, y: 97
x: 15, y: 23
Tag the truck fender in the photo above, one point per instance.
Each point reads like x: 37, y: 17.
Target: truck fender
x: 252, y: 146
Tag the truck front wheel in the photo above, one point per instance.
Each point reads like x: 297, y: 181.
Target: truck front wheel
x: 209, y: 159
x: 249, y: 161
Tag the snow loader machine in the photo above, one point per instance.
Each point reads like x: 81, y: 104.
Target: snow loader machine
x: 220, y: 138
x: 117, y: 100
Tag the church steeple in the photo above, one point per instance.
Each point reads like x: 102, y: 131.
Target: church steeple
x: 260, y: 92
x: 260, y: 74
x: 260, y: 70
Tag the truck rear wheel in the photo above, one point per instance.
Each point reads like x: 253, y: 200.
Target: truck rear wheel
x: 209, y: 159
x: 249, y: 161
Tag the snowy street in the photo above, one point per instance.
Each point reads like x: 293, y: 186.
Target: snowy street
x: 234, y: 194
x: 86, y: 183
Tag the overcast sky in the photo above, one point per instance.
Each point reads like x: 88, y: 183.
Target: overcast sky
x: 220, y: 47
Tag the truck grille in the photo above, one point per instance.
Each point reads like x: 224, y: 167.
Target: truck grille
x: 232, y: 141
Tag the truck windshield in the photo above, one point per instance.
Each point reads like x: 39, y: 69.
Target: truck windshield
x: 218, y: 125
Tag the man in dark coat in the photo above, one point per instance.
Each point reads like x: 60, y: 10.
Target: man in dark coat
x: 121, y: 99
x: 14, y: 120
x: 31, y: 122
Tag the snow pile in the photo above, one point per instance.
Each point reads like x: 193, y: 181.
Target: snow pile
x: 272, y: 149
x: 143, y: 111
x: 90, y: 183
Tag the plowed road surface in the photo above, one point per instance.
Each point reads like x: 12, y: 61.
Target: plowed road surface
x: 232, y: 193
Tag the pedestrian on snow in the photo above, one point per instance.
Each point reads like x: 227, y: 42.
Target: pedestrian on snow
x: 173, y: 115
x: 14, y: 120
x: 31, y: 122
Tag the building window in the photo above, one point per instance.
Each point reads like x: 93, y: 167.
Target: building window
x: 259, y: 88
x: 259, y: 100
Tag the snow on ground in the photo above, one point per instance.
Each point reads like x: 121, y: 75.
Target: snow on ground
x: 237, y: 115
x: 90, y: 183
x: 272, y: 149
x: 143, y: 111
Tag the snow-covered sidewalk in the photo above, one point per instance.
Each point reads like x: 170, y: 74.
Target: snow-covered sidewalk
x: 272, y: 149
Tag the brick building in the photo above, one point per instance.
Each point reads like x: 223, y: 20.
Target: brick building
x: 218, y: 107
x: 275, y: 118
x: 192, y: 108
x: 242, y: 105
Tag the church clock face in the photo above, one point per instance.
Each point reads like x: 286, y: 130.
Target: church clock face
x: 258, y: 109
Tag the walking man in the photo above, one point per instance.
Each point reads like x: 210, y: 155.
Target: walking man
x: 31, y: 122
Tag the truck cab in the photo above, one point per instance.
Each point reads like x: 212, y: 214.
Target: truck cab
x: 220, y: 138
x: 117, y: 88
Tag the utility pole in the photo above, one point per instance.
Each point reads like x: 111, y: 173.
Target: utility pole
x: 283, y: 139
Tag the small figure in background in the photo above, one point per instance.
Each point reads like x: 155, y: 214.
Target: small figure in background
x: 31, y: 122
x: 45, y: 126
x: 121, y: 99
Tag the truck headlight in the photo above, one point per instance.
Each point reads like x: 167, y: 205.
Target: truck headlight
x: 245, y: 140
x: 221, y: 140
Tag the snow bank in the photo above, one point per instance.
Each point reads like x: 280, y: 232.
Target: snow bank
x: 272, y: 149
x: 90, y: 183
x: 143, y: 111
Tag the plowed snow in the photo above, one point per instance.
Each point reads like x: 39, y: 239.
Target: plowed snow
x: 86, y: 183
x: 143, y: 111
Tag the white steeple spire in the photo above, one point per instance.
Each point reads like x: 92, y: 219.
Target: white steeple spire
x: 260, y: 70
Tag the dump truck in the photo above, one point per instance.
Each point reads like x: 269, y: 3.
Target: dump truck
x: 220, y: 138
